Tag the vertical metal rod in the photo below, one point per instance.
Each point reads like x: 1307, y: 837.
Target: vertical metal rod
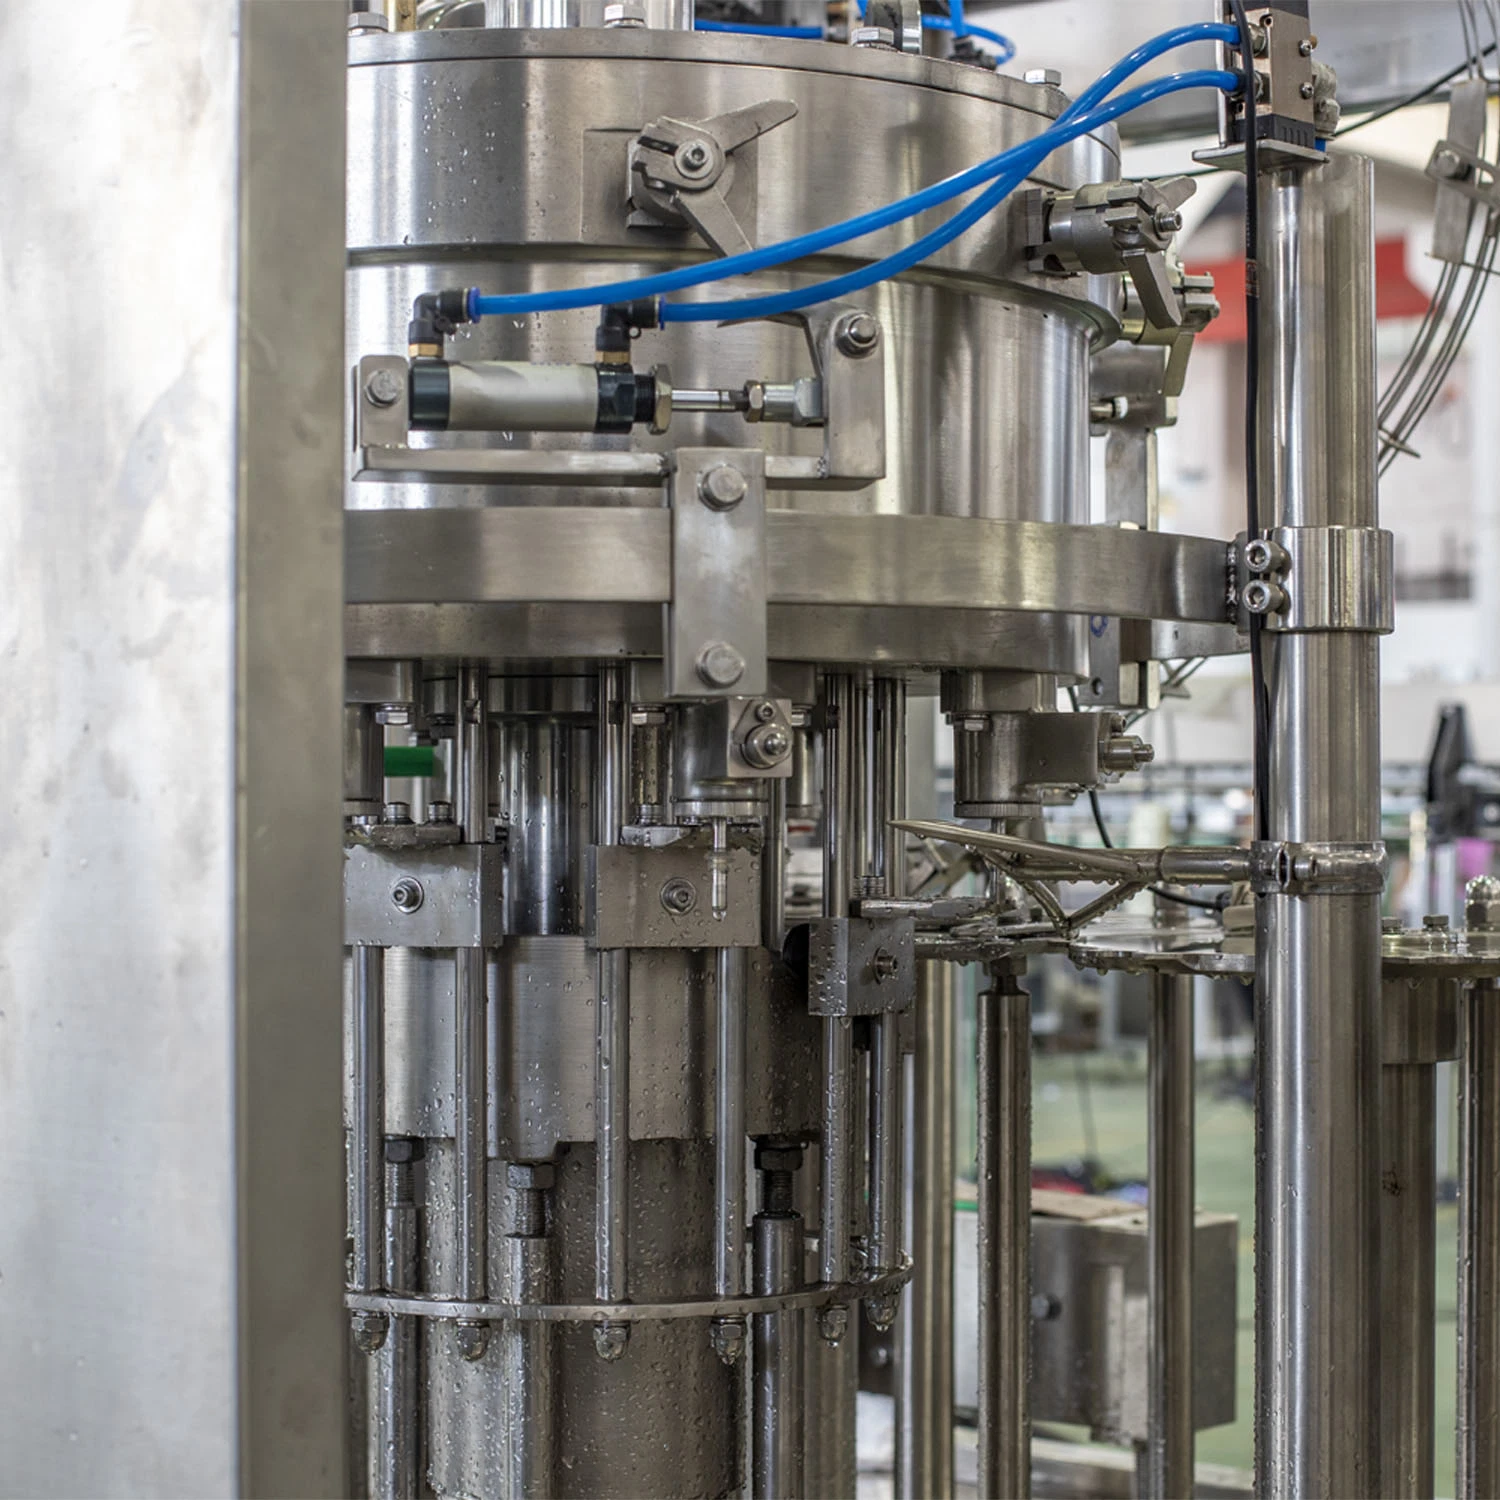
x: 774, y: 867
x: 395, y: 1365
x: 1004, y: 1047
x: 838, y: 1051
x: 1169, y: 1240
x: 1479, y: 1251
x: 729, y: 1122
x: 889, y: 780
x: 1408, y: 1271
x: 1318, y: 954
x: 924, y: 1330
x: 367, y: 1137
x: 526, y: 1354
x: 777, y: 1425
x: 612, y: 1021
x: 471, y: 1050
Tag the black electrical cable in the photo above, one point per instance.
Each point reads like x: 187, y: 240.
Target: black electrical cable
x: 1155, y: 890
x: 1410, y: 99
x: 1259, y: 694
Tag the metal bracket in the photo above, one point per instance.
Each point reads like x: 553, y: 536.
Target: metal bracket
x: 1318, y: 578
x: 680, y: 171
x: 847, y: 345
x: 1278, y: 869
x: 449, y: 897
x: 1463, y: 177
x: 861, y: 966
x: 660, y: 897
x: 715, y: 625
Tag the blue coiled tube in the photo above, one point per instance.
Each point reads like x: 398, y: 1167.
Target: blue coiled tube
x: 801, y: 246
x: 1025, y: 159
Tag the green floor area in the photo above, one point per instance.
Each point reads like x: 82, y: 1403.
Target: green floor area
x: 1116, y: 1098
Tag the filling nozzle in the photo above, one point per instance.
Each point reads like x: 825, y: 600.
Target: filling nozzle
x: 718, y: 869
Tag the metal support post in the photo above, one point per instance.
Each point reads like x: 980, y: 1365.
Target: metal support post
x: 924, y: 1327
x: 1318, y: 951
x: 1169, y: 1240
x: 1479, y: 1251
x: 1004, y: 1048
x: 774, y: 866
x: 367, y: 1137
x: 729, y: 1122
x: 777, y: 1425
x: 394, y: 1367
x: 612, y: 1037
x: 527, y: 1346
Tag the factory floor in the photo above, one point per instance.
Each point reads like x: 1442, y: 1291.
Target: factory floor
x: 1093, y: 1106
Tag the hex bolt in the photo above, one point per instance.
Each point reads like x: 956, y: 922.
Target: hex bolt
x: 610, y: 1340
x: 1125, y: 752
x: 881, y: 1311
x: 857, y: 334
x: 1308, y: 89
x: 1264, y: 556
x: 722, y: 487
x: 767, y: 746
x: 472, y: 1339
x: 383, y: 388
x: 1166, y: 221
x: 778, y: 1164
x: 679, y: 896
x: 407, y: 895
x: 1482, y: 903
x: 833, y: 1324
x: 1262, y: 598
x: 1049, y: 78
x: 1390, y: 926
x: 1435, y: 922
x: 873, y: 36
x: 727, y: 1336
x: 1447, y: 164
x: 693, y: 157
x: 370, y: 1329
x: 884, y: 965
x: 1307, y: 46
x: 529, y: 1182
x: 625, y: 13
x: 765, y: 711
x: 720, y: 665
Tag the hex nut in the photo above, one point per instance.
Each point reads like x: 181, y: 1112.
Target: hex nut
x: 679, y: 896
x: 720, y: 665
x: 400, y: 1148
x: 723, y: 487
x: 1482, y: 903
x: 625, y: 13
x: 407, y: 895
x: 873, y: 36
x: 767, y: 746
x: 530, y: 1176
x: 884, y: 965
x: 857, y: 334
x: 1044, y: 77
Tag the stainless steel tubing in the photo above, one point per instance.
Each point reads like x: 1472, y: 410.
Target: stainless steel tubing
x: 1318, y: 955
x: 395, y: 1366
x: 774, y: 857
x: 612, y: 1020
x: 470, y: 1064
x: 729, y: 1121
x: 1004, y: 1048
x: 777, y: 1423
x: 924, y: 1328
x: 888, y: 845
x: 529, y: 1376
x: 1479, y: 1251
x: 367, y: 1135
x: 471, y: 752
x: 1408, y: 1230
x: 838, y: 1051
x: 1169, y: 1240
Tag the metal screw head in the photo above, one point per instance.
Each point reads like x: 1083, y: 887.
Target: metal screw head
x: 693, y: 158
x: 407, y: 895
x: 530, y: 1176
x: 873, y: 36
x: 1307, y: 46
x: 1045, y: 77
x: 1447, y: 164
x: 727, y: 1336
x: 1262, y: 598
x: 722, y: 487
x: 720, y: 665
x: 765, y: 712
x: 1482, y: 902
x: 833, y: 1324
x: 1308, y: 89
x: 399, y: 1148
x: 1258, y: 555
x: 472, y: 1340
x: 369, y: 1329
x: 383, y: 388
x: 767, y: 746
x: 857, y: 334
x: 679, y: 896
x: 1167, y: 221
x: 778, y: 1158
x: 610, y: 1340
x: 361, y: 21
x: 625, y: 13
x: 1435, y: 922
x: 881, y: 1311
x: 884, y: 965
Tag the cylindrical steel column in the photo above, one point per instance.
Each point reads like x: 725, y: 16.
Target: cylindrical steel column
x: 1318, y: 954
x: 395, y: 1366
x: 729, y: 1121
x: 774, y: 857
x: 527, y: 1353
x: 1408, y: 1229
x: 612, y: 1030
x: 777, y: 1424
x: 1479, y: 1251
x: 367, y: 1133
x: 924, y: 1327
x: 1004, y: 1048
x: 1169, y: 1240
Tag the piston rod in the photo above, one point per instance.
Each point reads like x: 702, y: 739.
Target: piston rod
x: 1478, y: 1471
x: 368, y: 1134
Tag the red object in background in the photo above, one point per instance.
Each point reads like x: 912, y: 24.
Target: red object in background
x: 1396, y: 294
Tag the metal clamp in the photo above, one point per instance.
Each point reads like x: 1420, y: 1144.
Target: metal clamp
x: 1282, y: 869
x: 448, y: 897
x: 1317, y: 578
x: 861, y: 966
x: 645, y: 897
